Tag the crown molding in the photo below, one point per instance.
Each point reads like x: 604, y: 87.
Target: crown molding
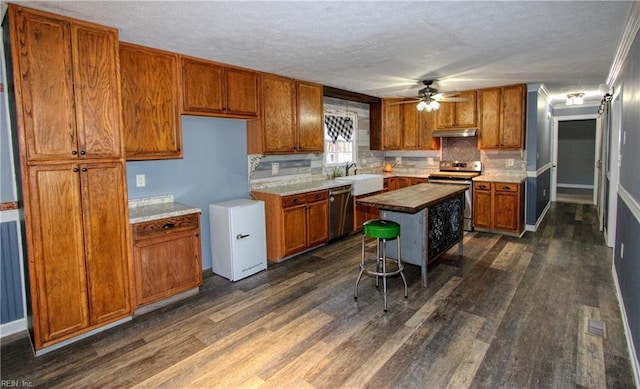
x: 628, y: 35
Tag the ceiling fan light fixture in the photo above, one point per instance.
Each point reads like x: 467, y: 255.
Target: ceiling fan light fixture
x: 429, y: 106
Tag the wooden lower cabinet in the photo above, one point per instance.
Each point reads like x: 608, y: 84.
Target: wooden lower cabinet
x: 362, y: 213
x: 498, y: 206
x: 79, y: 263
x: 167, y: 257
x: 295, y: 222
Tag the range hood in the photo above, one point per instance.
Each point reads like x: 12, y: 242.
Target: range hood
x: 456, y: 133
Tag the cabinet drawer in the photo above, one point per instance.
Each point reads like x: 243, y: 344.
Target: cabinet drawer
x: 482, y: 185
x: 293, y: 200
x: 162, y: 226
x: 506, y: 187
x: 317, y: 196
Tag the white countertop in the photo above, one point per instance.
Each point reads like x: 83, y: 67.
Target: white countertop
x: 157, y: 207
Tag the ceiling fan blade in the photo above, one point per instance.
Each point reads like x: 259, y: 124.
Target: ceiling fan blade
x: 452, y: 99
x: 405, y: 102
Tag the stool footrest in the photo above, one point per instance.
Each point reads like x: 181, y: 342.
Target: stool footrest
x: 376, y: 261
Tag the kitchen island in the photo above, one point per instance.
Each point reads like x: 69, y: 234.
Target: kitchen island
x: 430, y: 217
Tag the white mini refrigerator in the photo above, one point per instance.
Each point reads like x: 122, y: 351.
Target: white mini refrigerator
x: 238, y: 238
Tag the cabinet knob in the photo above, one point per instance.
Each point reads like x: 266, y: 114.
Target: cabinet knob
x: 84, y: 169
x: 82, y: 152
x: 74, y: 152
x: 295, y: 201
x: 75, y: 170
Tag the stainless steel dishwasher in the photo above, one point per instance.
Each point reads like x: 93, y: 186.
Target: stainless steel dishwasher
x: 340, y: 211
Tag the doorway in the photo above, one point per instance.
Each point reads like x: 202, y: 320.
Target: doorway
x: 575, y: 172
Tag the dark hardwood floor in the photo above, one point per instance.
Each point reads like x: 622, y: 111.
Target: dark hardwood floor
x: 510, y: 313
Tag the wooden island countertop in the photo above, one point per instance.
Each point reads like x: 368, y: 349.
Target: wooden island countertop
x: 413, y: 198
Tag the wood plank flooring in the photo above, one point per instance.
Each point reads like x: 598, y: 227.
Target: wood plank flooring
x: 510, y: 313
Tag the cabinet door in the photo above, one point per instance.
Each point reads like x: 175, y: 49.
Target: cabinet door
x: 467, y: 112
x: 203, y: 87
x: 150, y: 103
x: 106, y: 249
x: 506, y: 207
x: 391, y: 124
x: 426, y: 126
x: 241, y: 92
x: 166, y: 265
x: 44, y: 85
x: 482, y: 205
x: 310, y: 117
x: 317, y: 223
x: 279, y: 108
x: 295, y: 230
x: 97, y: 92
x: 513, y: 117
x: 411, y: 127
x: 446, y: 116
x: 489, y: 134
x: 57, y: 267
x: 403, y: 182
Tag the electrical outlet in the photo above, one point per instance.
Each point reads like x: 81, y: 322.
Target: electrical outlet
x: 544, y: 193
x: 140, y: 181
x: 275, y: 168
x: 431, y: 161
x: 510, y: 162
x: 399, y: 160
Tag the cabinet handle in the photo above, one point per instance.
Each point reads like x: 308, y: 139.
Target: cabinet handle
x: 168, y: 226
x: 506, y: 187
x: 318, y: 196
x: 241, y: 236
x: 295, y: 201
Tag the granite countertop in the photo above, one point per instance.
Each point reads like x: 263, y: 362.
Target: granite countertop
x: 515, y: 178
x: 301, y: 187
x: 157, y: 207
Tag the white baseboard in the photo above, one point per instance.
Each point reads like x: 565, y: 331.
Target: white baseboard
x: 13, y: 327
x: 534, y: 228
x: 633, y: 356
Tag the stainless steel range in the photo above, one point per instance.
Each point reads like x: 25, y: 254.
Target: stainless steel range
x: 459, y: 173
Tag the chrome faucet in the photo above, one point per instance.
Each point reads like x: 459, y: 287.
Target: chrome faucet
x: 349, y: 166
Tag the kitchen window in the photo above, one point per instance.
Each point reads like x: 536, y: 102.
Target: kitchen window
x: 340, y: 130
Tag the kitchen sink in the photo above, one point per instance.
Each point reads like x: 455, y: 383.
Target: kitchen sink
x: 363, y: 183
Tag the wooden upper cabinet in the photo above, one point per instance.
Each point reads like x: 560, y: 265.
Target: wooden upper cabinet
x: 151, y: 96
x: 67, y: 82
x: 213, y: 89
x: 502, y: 116
x: 402, y: 127
x: 309, y: 117
x: 291, y: 119
x: 387, y: 134
x: 418, y: 129
x: 460, y: 114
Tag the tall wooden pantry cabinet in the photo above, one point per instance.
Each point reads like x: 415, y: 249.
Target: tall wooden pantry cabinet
x: 66, y: 116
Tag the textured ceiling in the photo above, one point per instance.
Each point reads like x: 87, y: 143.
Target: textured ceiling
x: 379, y: 48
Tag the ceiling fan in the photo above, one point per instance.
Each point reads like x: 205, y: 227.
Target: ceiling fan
x: 429, y: 99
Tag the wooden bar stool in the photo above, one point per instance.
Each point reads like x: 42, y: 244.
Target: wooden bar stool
x: 382, y: 230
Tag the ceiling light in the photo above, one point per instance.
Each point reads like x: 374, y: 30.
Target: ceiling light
x: 575, y: 98
x: 429, y: 106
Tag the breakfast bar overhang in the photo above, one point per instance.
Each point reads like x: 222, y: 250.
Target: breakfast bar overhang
x: 430, y: 217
